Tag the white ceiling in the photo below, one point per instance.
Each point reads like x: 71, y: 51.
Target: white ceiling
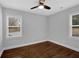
x: 25, y: 5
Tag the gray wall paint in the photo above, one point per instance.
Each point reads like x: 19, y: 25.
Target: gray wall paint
x: 59, y: 28
x: 0, y: 28
x: 34, y: 28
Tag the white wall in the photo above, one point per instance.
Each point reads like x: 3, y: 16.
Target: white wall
x: 0, y: 28
x: 34, y: 29
x: 59, y: 28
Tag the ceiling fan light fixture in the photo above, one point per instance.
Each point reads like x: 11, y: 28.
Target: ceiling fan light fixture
x: 41, y: 7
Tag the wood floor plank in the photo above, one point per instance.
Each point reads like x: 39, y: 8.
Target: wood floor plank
x: 41, y: 50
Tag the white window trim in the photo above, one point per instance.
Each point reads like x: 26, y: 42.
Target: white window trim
x: 70, y: 25
x: 13, y: 26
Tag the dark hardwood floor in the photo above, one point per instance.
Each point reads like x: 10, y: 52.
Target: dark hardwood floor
x: 41, y: 50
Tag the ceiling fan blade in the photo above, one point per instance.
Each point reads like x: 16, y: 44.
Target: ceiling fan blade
x: 34, y: 7
x: 47, y: 7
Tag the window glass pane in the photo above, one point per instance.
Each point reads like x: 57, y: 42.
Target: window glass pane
x: 14, y: 29
x: 75, y: 31
x: 75, y: 20
x: 14, y: 21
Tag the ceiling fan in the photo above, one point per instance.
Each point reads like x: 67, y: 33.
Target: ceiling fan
x: 42, y: 5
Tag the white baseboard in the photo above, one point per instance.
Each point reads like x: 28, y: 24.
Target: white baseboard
x: 67, y: 46
x: 24, y: 44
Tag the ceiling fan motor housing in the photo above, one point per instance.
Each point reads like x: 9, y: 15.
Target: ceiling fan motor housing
x: 42, y: 1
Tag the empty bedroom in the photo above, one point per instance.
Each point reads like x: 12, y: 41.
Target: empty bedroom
x: 39, y: 28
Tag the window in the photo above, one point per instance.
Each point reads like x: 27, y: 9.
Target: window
x: 14, y: 26
x: 75, y: 25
